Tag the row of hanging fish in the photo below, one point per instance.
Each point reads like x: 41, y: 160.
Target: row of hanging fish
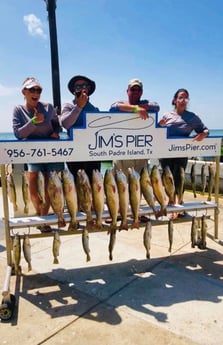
x: 199, y: 229
x: 17, y: 248
x: 198, y: 238
x: 199, y: 232
x: 115, y: 189
x: 151, y: 188
x: 11, y: 189
x: 207, y: 176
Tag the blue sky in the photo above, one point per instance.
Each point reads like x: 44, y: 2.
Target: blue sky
x: 168, y: 44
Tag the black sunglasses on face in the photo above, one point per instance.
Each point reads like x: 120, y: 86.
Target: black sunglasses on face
x: 33, y: 90
x: 81, y: 86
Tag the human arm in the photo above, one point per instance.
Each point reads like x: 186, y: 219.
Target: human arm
x: 129, y: 108
x: 23, y: 127
x: 70, y: 114
x: 201, y: 136
x: 197, y: 125
x: 152, y: 107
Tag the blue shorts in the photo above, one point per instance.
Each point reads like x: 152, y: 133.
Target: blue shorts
x: 45, y: 167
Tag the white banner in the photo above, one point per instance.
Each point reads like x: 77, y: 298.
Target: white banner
x: 108, y: 136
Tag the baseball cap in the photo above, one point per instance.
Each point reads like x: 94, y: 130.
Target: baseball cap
x: 30, y: 82
x: 135, y: 82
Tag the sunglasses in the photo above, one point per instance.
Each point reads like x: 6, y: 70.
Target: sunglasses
x: 81, y: 86
x: 33, y: 90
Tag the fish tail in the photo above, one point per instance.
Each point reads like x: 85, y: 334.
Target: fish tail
x: 26, y: 210
x: 55, y: 260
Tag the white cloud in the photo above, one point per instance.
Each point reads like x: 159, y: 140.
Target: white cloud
x: 6, y: 91
x: 34, y: 25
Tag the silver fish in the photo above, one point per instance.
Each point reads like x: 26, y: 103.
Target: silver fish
x: 194, y: 229
x: 211, y: 180
x: 170, y: 234
x: 56, y: 247
x: 134, y: 195
x: 147, y: 189
x: 11, y: 191
x: 169, y: 186
x: 158, y: 189
x: 27, y: 251
x: 147, y: 236
x: 111, y: 245
x: 203, y: 178
x: 70, y: 194
x: 25, y: 191
x: 85, y: 243
x: 193, y: 179
x: 84, y: 194
x: 123, y: 193
x: 98, y: 196
x: 55, y: 191
x: 17, y: 254
x: 112, y: 199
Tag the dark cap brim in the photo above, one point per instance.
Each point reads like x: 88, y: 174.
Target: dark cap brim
x: 77, y: 77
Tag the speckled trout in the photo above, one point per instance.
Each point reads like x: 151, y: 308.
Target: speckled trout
x: 112, y: 199
x: 84, y: 195
x: 123, y: 194
x: 70, y: 194
x: 55, y: 191
x: 158, y: 189
x: 134, y: 195
x: 98, y: 196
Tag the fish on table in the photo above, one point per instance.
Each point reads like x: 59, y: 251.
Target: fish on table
x: 123, y: 193
x: 56, y: 196
x: 147, y: 189
x: 70, y: 195
x: 112, y: 198
x: 11, y: 191
x: 98, y: 196
x: 158, y: 189
x: 134, y: 195
x: 84, y: 196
